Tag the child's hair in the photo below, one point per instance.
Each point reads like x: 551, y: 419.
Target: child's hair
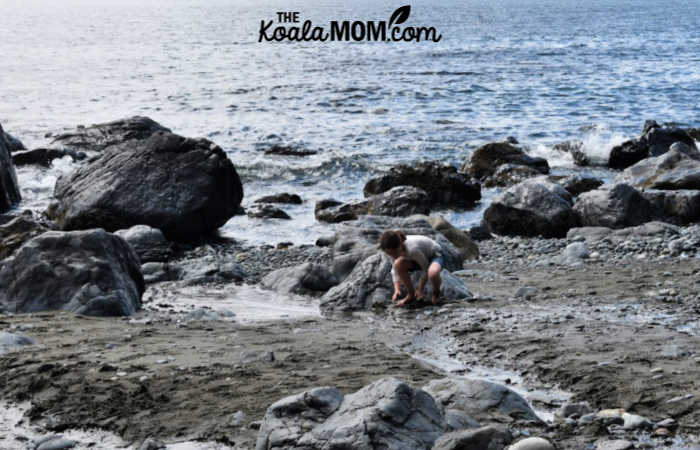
x: 391, y: 239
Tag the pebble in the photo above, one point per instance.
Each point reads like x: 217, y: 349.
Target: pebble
x: 680, y: 398
x: 618, y: 444
x: 533, y: 443
x: 667, y: 423
x: 55, y: 442
x: 635, y: 422
x: 662, y: 432
x: 610, y: 413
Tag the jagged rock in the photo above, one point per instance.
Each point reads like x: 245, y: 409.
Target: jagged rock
x: 459, y: 238
x: 45, y: 156
x: 480, y: 399
x: 9, y: 190
x: 655, y: 141
x: 284, y: 197
x: 17, y: 231
x: 535, y: 207
x: 148, y: 243
x: 386, y: 414
x: 10, y: 342
x: 13, y: 144
x: 88, y: 272
x: 400, y: 201
x: 614, y: 206
x: 487, y: 158
x: 266, y: 211
x: 577, y: 184
x: 485, y: 438
x: 575, y: 149
x: 510, y: 174
x: 681, y: 206
x: 184, y: 187
x: 670, y: 171
x: 100, y: 136
x: 443, y: 184
x: 308, y: 278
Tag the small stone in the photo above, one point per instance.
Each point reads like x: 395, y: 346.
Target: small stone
x: 610, y: 413
x: 667, y: 423
x: 680, y: 398
x: 656, y: 370
x: 526, y: 292
x: 618, y: 444
x: 533, y: 443
x: 237, y: 418
x: 635, y: 422
x: 574, y: 409
x: 56, y: 442
x: 152, y: 444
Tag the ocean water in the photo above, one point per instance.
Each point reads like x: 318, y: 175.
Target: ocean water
x: 542, y: 71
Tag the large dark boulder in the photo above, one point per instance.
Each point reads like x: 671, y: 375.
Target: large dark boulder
x: 614, y: 206
x: 386, y: 414
x: 89, y: 272
x: 487, y: 158
x: 13, y: 144
x: 443, y: 184
x: 676, y: 169
x: 9, y: 190
x: 400, y: 201
x: 510, y: 174
x: 654, y: 141
x: 680, y: 206
x: 103, y: 135
x: 184, y: 187
x: 536, y: 207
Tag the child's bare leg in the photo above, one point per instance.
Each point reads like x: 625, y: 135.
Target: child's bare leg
x: 401, y: 265
x: 435, y: 280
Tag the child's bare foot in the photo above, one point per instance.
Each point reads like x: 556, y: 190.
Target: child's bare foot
x: 405, y: 301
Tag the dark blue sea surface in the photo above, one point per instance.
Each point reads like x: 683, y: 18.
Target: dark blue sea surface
x: 542, y: 71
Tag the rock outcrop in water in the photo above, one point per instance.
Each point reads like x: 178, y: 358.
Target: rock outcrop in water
x: 184, y: 187
x: 9, y: 190
x: 673, y: 170
x: 400, y: 201
x: 535, y: 207
x: 100, y: 136
x: 88, y: 272
x: 444, y: 185
x: 387, y: 414
x: 488, y: 158
x: 614, y: 206
x: 654, y: 141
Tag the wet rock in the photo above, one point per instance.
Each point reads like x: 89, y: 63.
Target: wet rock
x: 400, y: 201
x: 210, y: 269
x: 480, y: 399
x: 459, y: 420
x: 480, y: 233
x: 655, y: 141
x: 670, y: 171
x: 486, y: 438
x: 574, y: 253
x: 459, y: 238
x: 152, y: 444
x: 386, y: 414
x: 184, y: 187
x: 680, y: 206
x: 442, y: 183
x: 531, y: 208
x: 9, y: 190
x: 614, y: 206
x: 575, y: 148
x: 88, y: 272
x: 288, y: 150
x: 100, y: 136
x: 55, y: 442
x: 577, y: 184
x: 284, y: 197
x: 589, y: 234
x: 155, y: 272
x: 510, y: 174
x: 306, y: 279
x: 487, y: 158
x: 13, y: 144
x: 45, y: 156
x: 148, y: 243
x: 635, y: 422
x: 532, y: 443
x: 617, y: 444
x: 10, y: 342
x: 526, y: 292
x: 574, y: 410
x: 266, y: 211
x: 18, y: 231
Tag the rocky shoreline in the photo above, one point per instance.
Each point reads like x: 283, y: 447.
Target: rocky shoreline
x: 576, y: 298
